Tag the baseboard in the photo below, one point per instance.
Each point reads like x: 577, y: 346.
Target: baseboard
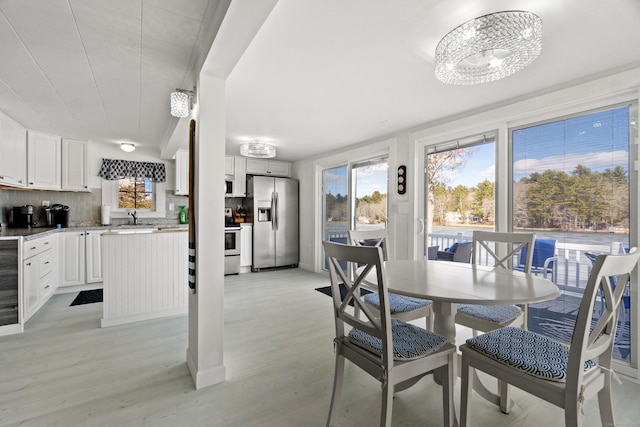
x: 205, y: 378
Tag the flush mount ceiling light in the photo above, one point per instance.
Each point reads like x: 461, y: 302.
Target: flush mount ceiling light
x: 182, y: 101
x: 257, y: 148
x: 127, y: 147
x: 489, y: 48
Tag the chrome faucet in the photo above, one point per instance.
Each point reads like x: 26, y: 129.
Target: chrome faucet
x: 134, y: 215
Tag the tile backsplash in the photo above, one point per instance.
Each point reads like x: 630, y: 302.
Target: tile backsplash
x: 84, y: 208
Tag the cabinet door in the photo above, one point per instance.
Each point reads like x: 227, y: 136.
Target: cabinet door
x: 240, y: 182
x: 182, y: 173
x: 94, y: 256
x: 43, y: 161
x: 72, y: 248
x: 246, y: 245
x: 229, y: 165
x: 74, y: 165
x: 30, y: 285
x: 257, y: 166
x: 13, y: 146
x: 279, y: 168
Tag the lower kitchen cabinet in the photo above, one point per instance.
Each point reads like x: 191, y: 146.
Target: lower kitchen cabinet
x: 246, y: 247
x: 72, y: 258
x: 38, y: 273
x: 93, y: 256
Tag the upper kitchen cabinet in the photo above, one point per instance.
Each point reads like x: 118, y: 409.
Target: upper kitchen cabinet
x: 43, y: 161
x: 229, y: 165
x: 13, y: 146
x: 268, y: 167
x: 240, y: 177
x: 74, y: 165
x: 182, y: 173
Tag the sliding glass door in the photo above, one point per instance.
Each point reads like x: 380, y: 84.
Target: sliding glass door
x: 571, y: 186
x: 354, y: 198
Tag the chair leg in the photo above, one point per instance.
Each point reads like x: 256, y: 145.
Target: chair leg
x: 466, y: 388
x: 387, y: 405
x: 338, y: 377
x: 429, y: 321
x: 447, y: 392
x: 503, y: 391
x: 605, y: 405
x: 572, y: 411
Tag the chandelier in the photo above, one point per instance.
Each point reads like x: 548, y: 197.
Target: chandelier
x: 257, y: 148
x: 489, y: 48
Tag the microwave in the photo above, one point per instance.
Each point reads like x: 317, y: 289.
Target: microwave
x: 228, y: 186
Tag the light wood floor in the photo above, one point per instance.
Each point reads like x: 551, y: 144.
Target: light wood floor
x: 65, y: 370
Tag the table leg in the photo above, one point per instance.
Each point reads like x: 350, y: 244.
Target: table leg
x: 444, y: 325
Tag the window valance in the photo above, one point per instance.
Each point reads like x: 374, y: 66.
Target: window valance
x: 113, y: 169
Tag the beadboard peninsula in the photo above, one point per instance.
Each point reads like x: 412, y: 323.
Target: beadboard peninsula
x: 144, y: 274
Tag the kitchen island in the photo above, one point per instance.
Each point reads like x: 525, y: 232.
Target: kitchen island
x: 144, y: 274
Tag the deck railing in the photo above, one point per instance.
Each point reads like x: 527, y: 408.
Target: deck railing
x: 572, y: 267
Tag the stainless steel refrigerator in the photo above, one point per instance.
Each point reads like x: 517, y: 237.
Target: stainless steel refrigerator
x: 275, y: 221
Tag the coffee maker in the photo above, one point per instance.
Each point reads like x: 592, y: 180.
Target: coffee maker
x: 60, y: 216
x: 22, y: 216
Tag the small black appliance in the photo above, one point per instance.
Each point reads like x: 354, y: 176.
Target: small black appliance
x: 22, y: 216
x: 60, y: 216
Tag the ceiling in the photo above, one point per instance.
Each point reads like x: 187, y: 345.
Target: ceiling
x: 309, y: 76
x: 100, y: 70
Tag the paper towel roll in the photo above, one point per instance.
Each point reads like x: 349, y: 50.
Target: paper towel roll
x: 106, y: 214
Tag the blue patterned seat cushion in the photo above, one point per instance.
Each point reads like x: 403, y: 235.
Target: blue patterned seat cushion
x: 527, y: 351
x: 501, y: 314
x: 409, y: 341
x: 397, y: 303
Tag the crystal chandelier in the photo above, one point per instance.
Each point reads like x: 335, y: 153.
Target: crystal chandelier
x: 182, y: 101
x: 489, y: 48
x: 257, y: 148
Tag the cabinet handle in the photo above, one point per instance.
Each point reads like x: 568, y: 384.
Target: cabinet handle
x: 46, y: 262
x: 46, y: 243
x: 1, y: 177
x: 31, y: 183
x: 46, y: 287
x: 20, y: 181
x: 82, y: 234
x: 33, y: 248
x: 28, y: 264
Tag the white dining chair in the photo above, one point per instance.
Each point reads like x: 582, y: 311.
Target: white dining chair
x: 396, y: 353
x: 565, y: 376
x: 402, y: 307
x: 500, y: 249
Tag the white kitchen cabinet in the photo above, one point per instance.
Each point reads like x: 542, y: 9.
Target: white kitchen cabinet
x: 240, y: 181
x: 268, y: 167
x: 229, y: 165
x: 13, y: 149
x: 182, y: 173
x: 246, y: 245
x: 93, y: 239
x: 72, y: 258
x: 38, y: 274
x: 74, y: 165
x: 43, y: 161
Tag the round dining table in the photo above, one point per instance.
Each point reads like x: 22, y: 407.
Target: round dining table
x: 449, y: 283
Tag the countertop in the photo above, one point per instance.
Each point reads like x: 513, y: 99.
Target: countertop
x: 33, y: 233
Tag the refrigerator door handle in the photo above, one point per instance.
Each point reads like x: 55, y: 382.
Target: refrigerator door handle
x: 275, y: 210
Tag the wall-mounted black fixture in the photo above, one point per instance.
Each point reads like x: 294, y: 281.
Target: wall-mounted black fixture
x: 402, y: 179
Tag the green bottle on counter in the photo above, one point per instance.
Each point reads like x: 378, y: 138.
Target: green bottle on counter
x: 182, y: 215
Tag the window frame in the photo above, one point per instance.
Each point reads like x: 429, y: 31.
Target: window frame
x: 110, y: 198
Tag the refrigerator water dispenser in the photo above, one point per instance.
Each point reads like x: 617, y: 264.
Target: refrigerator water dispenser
x: 264, y: 214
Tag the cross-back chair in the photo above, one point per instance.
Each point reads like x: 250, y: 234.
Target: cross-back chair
x: 396, y: 353
x: 500, y: 249
x: 564, y: 376
x: 402, y: 307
